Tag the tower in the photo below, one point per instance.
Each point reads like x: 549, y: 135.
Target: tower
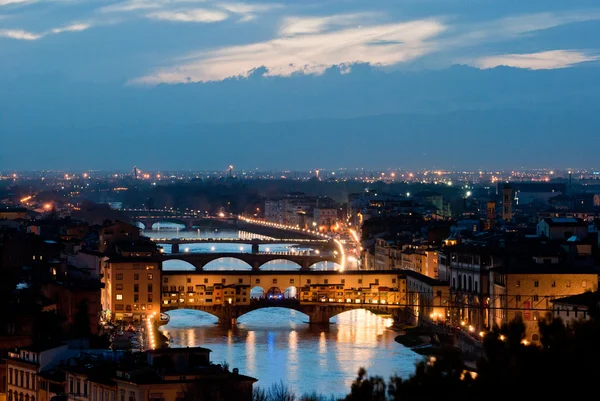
x: 491, y: 214
x: 230, y: 171
x: 135, y: 173
x: 507, y: 203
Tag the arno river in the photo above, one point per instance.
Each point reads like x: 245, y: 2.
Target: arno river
x: 278, y: 344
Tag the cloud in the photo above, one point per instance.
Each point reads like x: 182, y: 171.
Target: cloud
x: 19, y: 34
x: 302, y: 25
x: 308, y: 53
x: 192, y: 15
x: 245, y: 8
x: 26, y: 35
x: 132, y: 5
x: 8, y: 2
x: 71, y: 28
x: 536, y: 61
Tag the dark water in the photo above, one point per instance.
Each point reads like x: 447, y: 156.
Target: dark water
x: 277, y: 344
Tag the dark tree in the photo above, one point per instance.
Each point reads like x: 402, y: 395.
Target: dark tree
x: 81, y: 321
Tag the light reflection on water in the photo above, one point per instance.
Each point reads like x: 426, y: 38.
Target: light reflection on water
x: 278, y: 344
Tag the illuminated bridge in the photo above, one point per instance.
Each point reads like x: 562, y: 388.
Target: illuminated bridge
x: 318, y: 294
x: 256, y: 260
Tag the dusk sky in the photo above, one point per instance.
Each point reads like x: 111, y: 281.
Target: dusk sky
x: 169, y: 84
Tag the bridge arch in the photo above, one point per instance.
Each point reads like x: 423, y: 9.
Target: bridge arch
x: 304, y: 317
x: 166, y: 224
x: 181, y: 317
x: 373, y: 311
x: 280, y: 264
x: 177, y: 265
x: 291, y: 292
x: 326, y: 265
x: 257, y: 292
x: 227, y: 263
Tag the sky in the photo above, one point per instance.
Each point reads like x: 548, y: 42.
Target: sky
x: 192, y: 84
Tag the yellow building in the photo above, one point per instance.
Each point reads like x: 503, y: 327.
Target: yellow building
x: 131, y: 288
x: 427, y: 298
x: 528, y: 291
x: 23, y: 370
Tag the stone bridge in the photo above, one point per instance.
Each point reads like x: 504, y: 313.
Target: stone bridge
x: 255, y: 260
x: 317, y: 312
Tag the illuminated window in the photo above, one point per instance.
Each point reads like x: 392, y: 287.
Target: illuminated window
x: 150, y: 276
x: 119, y: 297
x: 584, y: 283
x: 119, y: 277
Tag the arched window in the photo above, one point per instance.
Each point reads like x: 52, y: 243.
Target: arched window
x: 26, y: 397
x: 10, y: 398
x: 535, y: 337
x: 20, y: 396
x: 470, y: 284
x: 465, y: 282
x: 459, y: 282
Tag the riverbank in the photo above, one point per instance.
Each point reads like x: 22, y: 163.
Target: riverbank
x: 424, y: 341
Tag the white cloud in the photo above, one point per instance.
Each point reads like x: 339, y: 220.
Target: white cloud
x: 309, y: 53
x: 192, y: 15
x: 245, y: 8
x: 71, y: 28
x: 19, y: 34
x: 7, y: 2
x: 307, y: 25
x: 536, y: 61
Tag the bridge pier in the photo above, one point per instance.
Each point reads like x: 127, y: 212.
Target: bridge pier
x: 175, y: 248
x: 319, y: 315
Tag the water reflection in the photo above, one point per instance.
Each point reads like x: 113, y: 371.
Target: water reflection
x: 278, y: 344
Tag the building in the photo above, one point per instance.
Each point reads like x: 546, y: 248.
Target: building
x: 527, y: 291
x: 325, y: 219
x: 170, y: 374
x: 131, y: 275
x: 14, y: 213
x: 117, y: 231
x: 575, y: 307
x: 559, y: 228
x: 426, y: 298
x: 24, y: 367
x: 507, y: 199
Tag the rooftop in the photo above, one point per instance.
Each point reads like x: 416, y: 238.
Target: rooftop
x: 586, y: 299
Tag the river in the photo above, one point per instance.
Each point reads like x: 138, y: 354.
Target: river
x: 277, y: 344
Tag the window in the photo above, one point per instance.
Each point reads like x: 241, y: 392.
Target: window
x: 136, y: 288
x: 150, y: 276
x: 70, y: 385
x: 568, y: 283
x: 78, y: 386
x: 190, y: 288
x: 149, y: 297
x: 240, y: 280
x: 393, y: 281
x: 326, y: 281
x: 10, y: 375
x: 136, y: 298
x: 206, y: 281
x: 119, y: 277
x: 438, y: 293
x: 535, y: 298
x: 518, y: 283
x: 536, y: 283
x: 343, y: 281
x: 85, y: 393
x: 223, y: 280
x: 536, y: 315
x: 518, y: 298
x: 131, y: 396
x: 122, y: 398
x: 150, y: 287
x: 136, y: 276
x: 376, y: 281
x: 584, y: 283
x: 119, y: 307
x: 291, y: 281
x: 360, y: 281
x: 165, y: 280
x: 189, y: 280
x: 165, y: 288
x: 308, y: 281
x: 119, y: 297
x: 119, y: 287
x: 553, y: 284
